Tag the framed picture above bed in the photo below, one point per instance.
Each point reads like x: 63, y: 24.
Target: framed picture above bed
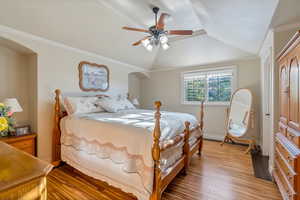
x: 93, y: 77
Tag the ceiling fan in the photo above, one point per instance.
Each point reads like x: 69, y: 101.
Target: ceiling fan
x: 158, y: 34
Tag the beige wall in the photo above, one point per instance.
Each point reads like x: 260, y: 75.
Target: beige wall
x: 166, y: 87
x: 134, y: 82
x: 32, y: 84
x: 57, y: 68
x: 14, y: 81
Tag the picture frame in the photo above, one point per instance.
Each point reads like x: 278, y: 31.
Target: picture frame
x: 22, y: 130
x: 93, y: 77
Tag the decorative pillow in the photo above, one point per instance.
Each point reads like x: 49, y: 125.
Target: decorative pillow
x: 81, y: 105
x: 115, y: 104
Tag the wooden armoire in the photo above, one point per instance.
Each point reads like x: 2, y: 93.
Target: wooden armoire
x: 287, y: 142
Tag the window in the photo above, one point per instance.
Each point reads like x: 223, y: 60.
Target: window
x: 214, y: 86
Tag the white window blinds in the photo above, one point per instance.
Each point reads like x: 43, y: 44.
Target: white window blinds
x: 215, y: 86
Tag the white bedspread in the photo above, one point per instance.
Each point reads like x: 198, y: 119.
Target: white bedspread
x: 124, y: 137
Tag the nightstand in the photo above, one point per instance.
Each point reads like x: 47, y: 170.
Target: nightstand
x: 25, y: 143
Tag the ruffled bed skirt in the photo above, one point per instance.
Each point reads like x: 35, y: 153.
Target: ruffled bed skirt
x: 129, y: 163
x: 105, y: 170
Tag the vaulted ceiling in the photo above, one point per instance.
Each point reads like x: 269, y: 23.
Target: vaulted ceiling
x: 235, y: 29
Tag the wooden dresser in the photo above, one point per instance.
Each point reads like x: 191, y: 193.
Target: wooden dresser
x: 22, y: 176
x: 25, y: 143
x: 287, y: 142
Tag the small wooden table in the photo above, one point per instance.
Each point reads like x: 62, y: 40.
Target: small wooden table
x: 22, y: 176
x: 25, y: 143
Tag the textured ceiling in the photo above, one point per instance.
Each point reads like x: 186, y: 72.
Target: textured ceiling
x: 235, y: 29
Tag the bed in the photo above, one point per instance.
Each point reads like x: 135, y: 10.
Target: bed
x: 139, y: 151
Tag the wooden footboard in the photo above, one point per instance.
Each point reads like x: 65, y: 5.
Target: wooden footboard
x: 162, y: 179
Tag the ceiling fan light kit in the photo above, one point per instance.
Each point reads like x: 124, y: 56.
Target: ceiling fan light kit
x: 150, y: 42
x: 165, y: 46
x: 163, y: 39
x: 158, y: 36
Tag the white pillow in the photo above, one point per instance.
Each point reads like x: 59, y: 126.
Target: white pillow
x: 115, y: 104
x: 81, y: 105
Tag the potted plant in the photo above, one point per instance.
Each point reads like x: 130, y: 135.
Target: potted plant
x: 6, y: 121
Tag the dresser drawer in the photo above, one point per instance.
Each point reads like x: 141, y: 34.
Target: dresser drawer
x: 293, y: 136
x: 288, y: 156
x: 287, y: 191
x: 288, y: 172
x: 25, y: 143
x: 29, y: 150
x: 282, y: 128
x: 22, y: 144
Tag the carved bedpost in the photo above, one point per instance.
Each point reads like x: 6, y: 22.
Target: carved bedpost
x: 56, y: 130
x: 156, y: 193
x: 201, y: 124
x: 186, y: 147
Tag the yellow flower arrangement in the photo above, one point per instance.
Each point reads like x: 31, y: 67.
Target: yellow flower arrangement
x: 6, y: 121
x: 3, y: 124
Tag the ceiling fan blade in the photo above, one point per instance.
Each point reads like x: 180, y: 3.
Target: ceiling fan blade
x: 161, y: 22
x: 140, y: 41
x: 135, y: 29
x: 196, y: 33
x: 180, y: 32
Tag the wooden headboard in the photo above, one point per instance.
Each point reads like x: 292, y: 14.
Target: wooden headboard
x: 59, y: 113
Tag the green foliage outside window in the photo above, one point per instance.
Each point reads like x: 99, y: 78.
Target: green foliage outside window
x: 211, y: 87
x: 219, y: 88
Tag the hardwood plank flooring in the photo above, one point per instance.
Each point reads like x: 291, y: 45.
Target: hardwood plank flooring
x: 220, y: 173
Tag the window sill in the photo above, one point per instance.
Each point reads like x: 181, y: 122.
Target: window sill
x: 207, y: 103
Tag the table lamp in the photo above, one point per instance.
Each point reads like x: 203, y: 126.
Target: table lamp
x: 13, y: 105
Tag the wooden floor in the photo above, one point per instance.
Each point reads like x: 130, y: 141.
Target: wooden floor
x: 222, y: 173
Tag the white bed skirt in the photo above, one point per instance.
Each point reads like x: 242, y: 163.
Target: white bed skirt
x: 113, y: 173
x: 104, y: 170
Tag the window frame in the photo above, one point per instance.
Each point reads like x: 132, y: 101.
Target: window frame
x: 208, y: 70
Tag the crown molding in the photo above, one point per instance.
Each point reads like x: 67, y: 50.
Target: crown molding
x: 287, y: 27
x: 9, y: 30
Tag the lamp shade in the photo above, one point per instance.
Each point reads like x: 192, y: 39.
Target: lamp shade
x: 13, y: 104
x: 135, y: 102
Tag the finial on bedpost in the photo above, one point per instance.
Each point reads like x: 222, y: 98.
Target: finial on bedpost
x: 186, y: 147
x: 57, y: 92
x: 156, y: 154
x: 157, y: 105
x: 56, y: 130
